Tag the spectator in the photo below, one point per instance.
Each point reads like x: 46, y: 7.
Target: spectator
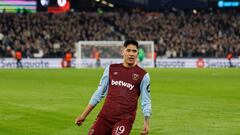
x: 175, y: 33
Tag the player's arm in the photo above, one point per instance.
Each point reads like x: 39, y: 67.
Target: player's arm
x: 83, y: 116
x: 96, y: 97
x: 145, y: 102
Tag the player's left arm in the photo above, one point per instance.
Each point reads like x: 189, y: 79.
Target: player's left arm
x: 145, y: 102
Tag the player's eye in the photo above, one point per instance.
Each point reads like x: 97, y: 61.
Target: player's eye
x: 135, y: 51
x: 128, y: 50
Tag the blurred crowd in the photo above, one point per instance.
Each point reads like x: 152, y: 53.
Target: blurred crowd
x: 105, y: 51
x: 176, y: 33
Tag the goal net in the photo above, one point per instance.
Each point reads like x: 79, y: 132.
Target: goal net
x: 103, y: 53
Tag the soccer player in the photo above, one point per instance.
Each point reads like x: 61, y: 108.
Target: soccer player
x: 141, y: 55
x: 67, y: 59
x: 96, y: 55
x: 18, y: 57
x: 122, y: 84
x: 229, y: 57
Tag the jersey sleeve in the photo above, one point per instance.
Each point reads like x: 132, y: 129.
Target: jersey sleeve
x: 145, y: 95
x: 102, y: 88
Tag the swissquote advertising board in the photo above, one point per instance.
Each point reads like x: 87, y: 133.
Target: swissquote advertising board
x: 34, y: 63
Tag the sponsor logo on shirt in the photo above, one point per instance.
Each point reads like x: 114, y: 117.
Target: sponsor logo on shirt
x: 123, y: 84
x: 115, y: 73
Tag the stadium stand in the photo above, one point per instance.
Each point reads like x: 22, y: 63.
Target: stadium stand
x: 176, y: 33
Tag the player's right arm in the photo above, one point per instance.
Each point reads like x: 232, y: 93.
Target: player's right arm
x: 80, y: 119
x: 96, y: 97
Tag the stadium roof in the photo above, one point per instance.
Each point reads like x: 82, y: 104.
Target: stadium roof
x: 146, y: 4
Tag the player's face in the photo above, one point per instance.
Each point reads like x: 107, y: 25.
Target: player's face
x: 130, y: 54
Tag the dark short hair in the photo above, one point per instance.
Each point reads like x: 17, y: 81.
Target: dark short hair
x: 130, y: 41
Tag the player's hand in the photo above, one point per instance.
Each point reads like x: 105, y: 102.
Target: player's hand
x: 145, y: 129
x: 144, y: 132
x: 79, y: 120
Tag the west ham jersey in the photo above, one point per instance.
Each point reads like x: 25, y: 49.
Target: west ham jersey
x: 123, y: 86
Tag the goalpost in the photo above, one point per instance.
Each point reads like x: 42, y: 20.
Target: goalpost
x: 110, y: 52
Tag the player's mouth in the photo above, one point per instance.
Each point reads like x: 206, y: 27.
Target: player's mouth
x: 131, y: 59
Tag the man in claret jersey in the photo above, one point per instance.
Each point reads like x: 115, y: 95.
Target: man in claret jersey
x: 122, y: 84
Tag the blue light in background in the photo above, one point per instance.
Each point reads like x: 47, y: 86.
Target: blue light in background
x: 222, y: 4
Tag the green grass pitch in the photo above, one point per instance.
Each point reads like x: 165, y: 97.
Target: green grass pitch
x: 184, y: 101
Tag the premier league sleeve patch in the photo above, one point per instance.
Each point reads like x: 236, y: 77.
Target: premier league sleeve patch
x: 148, y: 88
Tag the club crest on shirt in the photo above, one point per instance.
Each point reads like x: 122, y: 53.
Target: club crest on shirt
x: 135, y: 77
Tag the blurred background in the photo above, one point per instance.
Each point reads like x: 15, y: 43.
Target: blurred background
x: 179, y: 29
x: 177, y: 39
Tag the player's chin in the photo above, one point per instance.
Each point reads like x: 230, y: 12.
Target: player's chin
x: 130, y: 62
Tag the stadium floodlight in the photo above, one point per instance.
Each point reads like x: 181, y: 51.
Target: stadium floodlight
x: 110, y: 52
